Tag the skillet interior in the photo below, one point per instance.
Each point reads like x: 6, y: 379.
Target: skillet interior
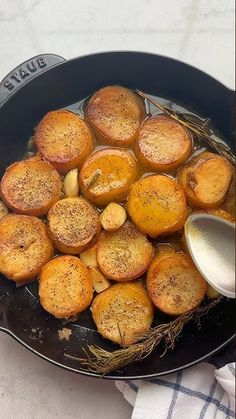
x: 20, y: 313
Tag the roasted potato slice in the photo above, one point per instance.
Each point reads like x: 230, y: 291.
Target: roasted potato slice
x: 174, y: 284
x: 124, y: 254
x: 211, y: 293
x: 71, y: 183
x: 73, y: 225
x: 31, y: 187
x: 157, y: 205
x: 65, y: 287
x: 115, y: 114
x: 230, y: 199
x: 163, y: 144
x: 219, y: 213
x: 206, y: 179
x: 107, y: 175
x: 123, y: 312
x: 113, y: 217
x: 64, y: 139
x: 24, y: 247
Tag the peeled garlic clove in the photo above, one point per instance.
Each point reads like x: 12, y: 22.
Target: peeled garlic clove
x: 3, y: 209
x: 71, y: 183
x: 89, y: 257
x: 113, y: 217
x: 100, y: 282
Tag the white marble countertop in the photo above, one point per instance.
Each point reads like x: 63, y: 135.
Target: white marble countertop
x: 199, y: 32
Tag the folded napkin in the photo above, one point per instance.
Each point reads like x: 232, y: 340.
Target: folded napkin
x: 195, y: 393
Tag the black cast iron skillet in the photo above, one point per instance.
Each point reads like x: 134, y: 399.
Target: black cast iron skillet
x: 49, y: 82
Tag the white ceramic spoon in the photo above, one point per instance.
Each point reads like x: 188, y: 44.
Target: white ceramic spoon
x: 211, y: 244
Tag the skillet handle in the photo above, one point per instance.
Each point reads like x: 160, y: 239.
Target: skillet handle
x: 25, y: 72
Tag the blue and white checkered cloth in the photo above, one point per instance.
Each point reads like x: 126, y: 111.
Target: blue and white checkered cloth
x: 196, y: 393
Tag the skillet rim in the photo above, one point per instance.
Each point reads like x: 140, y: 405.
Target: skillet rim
x: 10, y: 97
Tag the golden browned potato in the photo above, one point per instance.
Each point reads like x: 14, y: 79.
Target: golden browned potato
x: 115, y: 114
x: 157, y: 205
x: 174, y: 284
x: 73, y: 225
x: 206, y: 179
x: 113, y: 217
x: 65, y: 287
x: 163, y: 144
x: 218, y: 213
x: 123, y: 312
x: 64, y: 139
x: 24, y: 247
x: 107, y: 175
x: 124, y: 254
x: 89, y: 257
x: 31, y: 187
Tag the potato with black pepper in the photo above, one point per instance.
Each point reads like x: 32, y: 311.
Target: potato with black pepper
x: 107, y: 176
x: 123, y: 312
x: 73, y: 225
x: 64, y: 139
x: 124, y: 254
x: 206, y: 179
x: 24, y: 247
x: 163, y: 144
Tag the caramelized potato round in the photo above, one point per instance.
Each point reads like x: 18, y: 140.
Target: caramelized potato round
x: 124, y: 254
x: 115, y: 114
x: 73, y: 225
x: 163, y: 144
x: 218, y: 213
x: 122, y: 312
x: 157, y: 205
x: 107, y: 175
x: 206, y: 179
x: 65, y: 287
x: 24, y: 247
x: 64, y: 139
x: 174, y: 284
x: 31, y: 187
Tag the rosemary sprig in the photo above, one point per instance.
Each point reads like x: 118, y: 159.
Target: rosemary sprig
x: 101, y: 361
x: 198, y: 129
x: 93, y: 179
